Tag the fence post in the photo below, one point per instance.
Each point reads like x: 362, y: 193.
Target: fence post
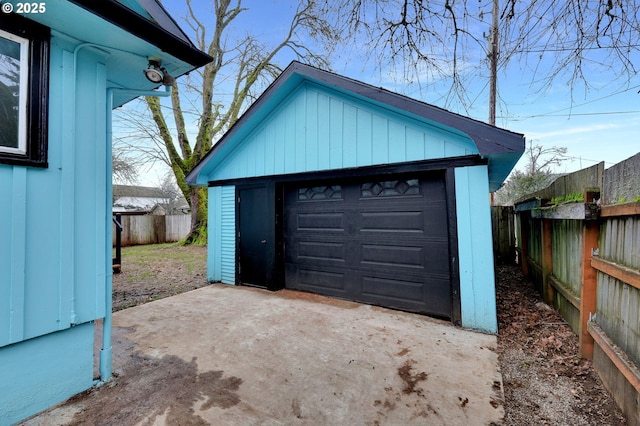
x: 525, y: 228
x: 547, y: 261
x: 588, y: 296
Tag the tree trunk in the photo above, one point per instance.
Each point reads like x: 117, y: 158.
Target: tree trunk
x: 198, y: 198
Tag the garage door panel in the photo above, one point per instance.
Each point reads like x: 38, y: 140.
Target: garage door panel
x: 321, y: 251
x: 435, y: 222
x: 392, y: 221
x: 384, y: 242
x: 427, y: 221
x: 389, y: 288
x: 320, y: 221
x: 326, y: 280
x: 428, y: 296
x: 437, y: 260
x: 314, y: 279
x: 385, y: 255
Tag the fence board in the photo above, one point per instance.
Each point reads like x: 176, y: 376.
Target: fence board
x: 153, y: 229
x: 177, y: 227
x: 618, y: 299
x: 503, y: 227
x: 622, y: 181
x: 567, y: 243
x: 606, y: 283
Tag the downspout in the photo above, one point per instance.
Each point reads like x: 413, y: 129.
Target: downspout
x: 106, y: 350
x: 71, y: 213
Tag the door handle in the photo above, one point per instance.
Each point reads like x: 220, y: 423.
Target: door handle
x: 264, y: 241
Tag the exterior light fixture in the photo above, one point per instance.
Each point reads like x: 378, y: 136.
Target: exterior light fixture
x: 153, y: 72
x: 157, y: 74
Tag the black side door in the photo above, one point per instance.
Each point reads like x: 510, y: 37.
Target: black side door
x: 255, y: 235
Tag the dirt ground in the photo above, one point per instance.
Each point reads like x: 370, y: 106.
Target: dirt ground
x: 153, y: 272
x: 544, y: 380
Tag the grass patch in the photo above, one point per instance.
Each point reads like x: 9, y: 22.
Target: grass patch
x: 151, y: 272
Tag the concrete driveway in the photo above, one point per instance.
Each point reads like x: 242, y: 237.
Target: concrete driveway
x: 225, y: 355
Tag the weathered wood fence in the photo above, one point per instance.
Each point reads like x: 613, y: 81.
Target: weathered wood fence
x: 504, y: 233
x: 583, y: 256
x: 153, y: 229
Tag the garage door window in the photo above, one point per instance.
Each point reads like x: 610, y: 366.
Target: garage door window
x: 332, y: 192
x: 390, y: 188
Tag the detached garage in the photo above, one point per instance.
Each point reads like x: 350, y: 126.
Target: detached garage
x: 336, y: 187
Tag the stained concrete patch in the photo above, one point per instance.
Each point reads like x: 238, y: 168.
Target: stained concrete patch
x: 235, y: 355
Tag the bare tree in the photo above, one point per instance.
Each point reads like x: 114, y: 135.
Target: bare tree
x: 541, y: 159
x: 169, y: 186
x: 242, y: 68
x: 124, y: 170
x: 572, y: 41
x: 537, y: 173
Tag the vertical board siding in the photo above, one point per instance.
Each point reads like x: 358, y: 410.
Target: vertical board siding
x: 314, y: 130
x: 221, y: 258
x: 214, y: 242
x: 228, y: 234
x: 61, y: 128
x: 6, y: 240
x: 54, y: 229
x: 477, y: 275
x: 18, y: 255
x: 90, y: 210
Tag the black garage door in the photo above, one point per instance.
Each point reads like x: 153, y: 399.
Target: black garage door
x: 382, y: 241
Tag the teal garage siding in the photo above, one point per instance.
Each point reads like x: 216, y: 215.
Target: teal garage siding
x: 317, y: 137
x: 228, y: 235
x: 316, y: 129
x: 222, y: 239
x: 475, y: 249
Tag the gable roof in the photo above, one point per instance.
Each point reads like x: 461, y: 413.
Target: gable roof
x: 138, y: 191
x: 501, y: 147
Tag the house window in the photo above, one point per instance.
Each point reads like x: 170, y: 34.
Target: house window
x: 24, y: 91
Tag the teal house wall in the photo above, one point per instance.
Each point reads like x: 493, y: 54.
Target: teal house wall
x: 311, y: 121
x: 55, y: 267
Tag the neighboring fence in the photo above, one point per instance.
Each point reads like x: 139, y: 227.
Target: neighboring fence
x: 153, y: 229
x: 504, y: 233
x: 584, y: 259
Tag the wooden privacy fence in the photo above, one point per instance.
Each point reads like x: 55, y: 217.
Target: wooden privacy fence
x: 504, y: 233
x: 153, y: 229
x: 579, y: 242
